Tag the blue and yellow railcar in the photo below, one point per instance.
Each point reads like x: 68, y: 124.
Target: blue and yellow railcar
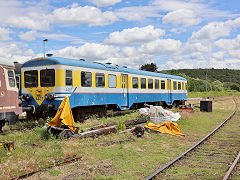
x: 94, y: 87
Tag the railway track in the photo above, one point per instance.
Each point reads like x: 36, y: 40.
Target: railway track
x: 210, y: 158
x: 234, y: 171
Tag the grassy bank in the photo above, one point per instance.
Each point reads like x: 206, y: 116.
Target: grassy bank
x: 135, y: 158
x: 211, y: 94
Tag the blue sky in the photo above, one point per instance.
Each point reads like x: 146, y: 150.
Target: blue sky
x: 174, y: 34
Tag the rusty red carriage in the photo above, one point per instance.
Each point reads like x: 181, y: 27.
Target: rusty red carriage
x: 9, y: 102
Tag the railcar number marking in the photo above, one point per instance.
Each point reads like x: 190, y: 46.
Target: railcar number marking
x: 39, y: 98
x: 69, y: 89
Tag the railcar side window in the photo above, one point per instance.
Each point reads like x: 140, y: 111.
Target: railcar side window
x: 100, y: 80
x: 112, y: 81
x: 174, y: 85
x: 143, y: 83
x: 182, y: 85
x: 179, y: 85
x: 47, y: 77
x: 150, y: 84
x: 68, y: 78
x: 11, y: 78
x: 31, y: 78
x: 162, y: 84
x: 135, y: 82
x: 156, y: 84
x: 86, y: 79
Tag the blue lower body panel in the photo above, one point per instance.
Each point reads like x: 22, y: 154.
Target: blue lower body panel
x: 91, y: 99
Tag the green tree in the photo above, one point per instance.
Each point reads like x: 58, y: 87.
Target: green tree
x: 149, y: 67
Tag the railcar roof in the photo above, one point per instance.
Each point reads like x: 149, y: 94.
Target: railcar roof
x: 96, y: 65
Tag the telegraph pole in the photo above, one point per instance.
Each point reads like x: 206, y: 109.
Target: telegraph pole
x: 206, y: 80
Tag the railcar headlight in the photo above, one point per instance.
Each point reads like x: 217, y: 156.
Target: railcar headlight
x: 50, y: 96
x: 23, y: 97
x: 26, y: 97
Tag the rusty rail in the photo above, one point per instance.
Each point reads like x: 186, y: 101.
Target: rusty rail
x: 68, y: 159
x: 227, y: 175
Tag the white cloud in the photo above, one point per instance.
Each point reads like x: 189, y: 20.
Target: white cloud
x: 15, y: 52
x: 24, y: 14
x: 28, y: 22
x: 135, y: 35
x: 33, y: 35
x: 229, y: 44
x: 214, y: 30
x: 4, y: 34
x: 218, y: 55
x: 197, y: 56
x: 207, y: 63
x: 197, y: 46
x: 182, y: 16
x: 199, y: 6
x: 88, y: 51
x: 28, y: 36
x: 130, y: 51
x: 177, y: 65
x: 80, y: 15
x: 102, y: 3
x: 159, y: 46
x: 138, y: 13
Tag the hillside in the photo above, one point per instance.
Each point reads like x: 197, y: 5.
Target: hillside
x: 218, y: 79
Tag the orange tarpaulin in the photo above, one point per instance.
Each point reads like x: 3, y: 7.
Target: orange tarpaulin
x: 166, y: 127
x: 63, y: 115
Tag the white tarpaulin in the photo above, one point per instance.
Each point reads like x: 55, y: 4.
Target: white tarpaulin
x: 144, y: 111
x: 159, y: 115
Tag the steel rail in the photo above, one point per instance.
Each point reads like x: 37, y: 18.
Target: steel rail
x: 194, y: 146
x: 232, y: 167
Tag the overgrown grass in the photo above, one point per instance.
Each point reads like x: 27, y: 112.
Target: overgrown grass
x: 211, y: 94
x: 133, y: 159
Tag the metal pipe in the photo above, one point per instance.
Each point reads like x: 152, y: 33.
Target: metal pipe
x: 45, y: 40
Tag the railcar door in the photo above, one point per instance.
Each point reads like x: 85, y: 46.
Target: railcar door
x: 125, y: 90
x: 169, y: 82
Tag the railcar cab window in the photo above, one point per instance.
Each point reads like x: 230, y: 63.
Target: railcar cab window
x: 174, y: 85
x: 143, y: 83
x: 100, y: 80
x: 150, y: 84
x: 179, y: 85
x: 68, y: 78
x: 47, y: 77
x: 156, y: 84
x: 112, y: 81
x: 162, y: 84
x: 31, y: 79
x: 86, y: 79
x: 11, y: 78
x: 135, y: 82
